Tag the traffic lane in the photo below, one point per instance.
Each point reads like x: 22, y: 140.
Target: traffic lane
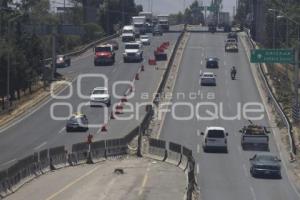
x: 187, y: 132
x: 183, y: 132
x: 39, y: 128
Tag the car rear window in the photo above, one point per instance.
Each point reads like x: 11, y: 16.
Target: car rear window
x: 98, y: 49
x: 215, y: 134
x: 132, y: 46
x: 100, y: 92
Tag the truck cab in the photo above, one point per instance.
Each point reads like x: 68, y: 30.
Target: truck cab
x: 104, y: 54
x: 128, y: 34
x: 133, y: 52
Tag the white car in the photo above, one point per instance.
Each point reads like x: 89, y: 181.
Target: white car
x: 145, y: 39
x: 133, y: 52
x: 100, y: 96
x: 215, y: 138
x: 208, y: 78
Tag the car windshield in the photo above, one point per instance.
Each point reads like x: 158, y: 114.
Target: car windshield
x: 99, y: 49
x: 127, y: 31
x: 208, y: 75
x: 132, y: 46
x: 100, y: 91
x: 215, y: 134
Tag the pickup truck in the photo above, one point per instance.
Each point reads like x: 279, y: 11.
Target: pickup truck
x: 254, y: 137
x: 133, y: 52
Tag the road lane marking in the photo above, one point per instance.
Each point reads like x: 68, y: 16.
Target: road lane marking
x: 145, y: 179
x: 239, y: 149
x: 253, y: 193
x: 198, y: 132
x: 201, y: 62
x: 40, y: 146
x: 8, y: 162
x: 73, y: 183
x: 198, y: 148
x: 200, y: 72
x: 62, y: 130
x: 107, y: 189
x: 245, y: 170
x: 197, y: 168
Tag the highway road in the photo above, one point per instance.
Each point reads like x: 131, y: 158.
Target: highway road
x: 38, y: 130
x: 220, y: 176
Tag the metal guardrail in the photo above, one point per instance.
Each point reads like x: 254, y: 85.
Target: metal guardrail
x: 87, y: 47
x: 272, y: 98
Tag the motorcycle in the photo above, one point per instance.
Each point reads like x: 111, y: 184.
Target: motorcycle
x: 233, y: 73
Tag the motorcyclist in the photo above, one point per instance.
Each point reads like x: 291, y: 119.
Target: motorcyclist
x: 233, y: 72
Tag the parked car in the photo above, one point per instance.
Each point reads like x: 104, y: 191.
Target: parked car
x: 208, y: 79
x: 104, y: 54
x: 212, y: 62
x: 77, y: 122
x: 100, y: 96
x: 265, y: 164
x: 215, y: 138
x: 63, y: 61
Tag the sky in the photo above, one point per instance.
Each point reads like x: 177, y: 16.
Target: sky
x: 174, y: 6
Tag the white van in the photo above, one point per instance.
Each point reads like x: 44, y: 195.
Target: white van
x: 215, y: 138
x: 128, y: 34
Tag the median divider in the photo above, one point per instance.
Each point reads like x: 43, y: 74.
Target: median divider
x: 157, y: 149
x: 44, y: 160
x: 174, y: 154
x: 116, y: 147
x: 58, y: 157
x: 98, y: 151
x: 79, y: 153
x: 186, y: 153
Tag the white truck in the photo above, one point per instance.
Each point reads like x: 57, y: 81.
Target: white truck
x: 139, y: 23
x: 128, y: 34
x: 163, y: 22
x: 149, y: 20
x: 133, y: 52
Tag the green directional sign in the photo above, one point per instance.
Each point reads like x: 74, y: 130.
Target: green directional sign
x: 272, y: 56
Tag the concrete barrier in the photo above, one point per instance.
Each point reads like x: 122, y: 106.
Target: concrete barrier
x: 174, y: 154
x: 79, y: 153
x: 186, y: 153
x: 98, y: 151
x: 157, y: 149
x: 58, y: 157
x: 4, y: 189
x: 44, y: 161
x: 116, y: 147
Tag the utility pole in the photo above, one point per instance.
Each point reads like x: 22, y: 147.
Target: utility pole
x: 53, y: 52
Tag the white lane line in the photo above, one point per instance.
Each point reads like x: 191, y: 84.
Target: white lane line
x: 253, y: 193
x: 239, y: 149
x: 198, y: 148
x: 40, y: 146
x: 62, y: 130
x: 245, y: 170
x: 197, y: 168
x: 198, y: 132
x: 201, y: 62
x: 200, y: 72
x: 8, y: 162
x: 224, y: 63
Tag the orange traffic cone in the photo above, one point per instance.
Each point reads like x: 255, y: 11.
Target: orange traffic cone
x: 137, y: 76
x: 112, y: 116
x: 104, y: 128
x: 142, y: 68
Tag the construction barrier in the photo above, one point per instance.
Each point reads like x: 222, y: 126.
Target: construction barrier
x: 4, y: 187
x: 174, y: 153
x: 79, y: 152
x: 58, y: 157
x: 44, y: 160
x: 98, y: 151
x: 157, y: 148
x: 186, y: 153
x: 116, y: 147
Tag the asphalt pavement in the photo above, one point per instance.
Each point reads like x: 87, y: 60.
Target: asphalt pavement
x: 220, y: 176
x: 38, y: 130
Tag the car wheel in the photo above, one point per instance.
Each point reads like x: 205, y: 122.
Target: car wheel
x: 108, y: 104
x: 95, y: 63
x: 68, y: 129
x: 125, y: 60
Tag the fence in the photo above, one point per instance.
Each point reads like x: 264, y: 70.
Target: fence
x: 272, y: 99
